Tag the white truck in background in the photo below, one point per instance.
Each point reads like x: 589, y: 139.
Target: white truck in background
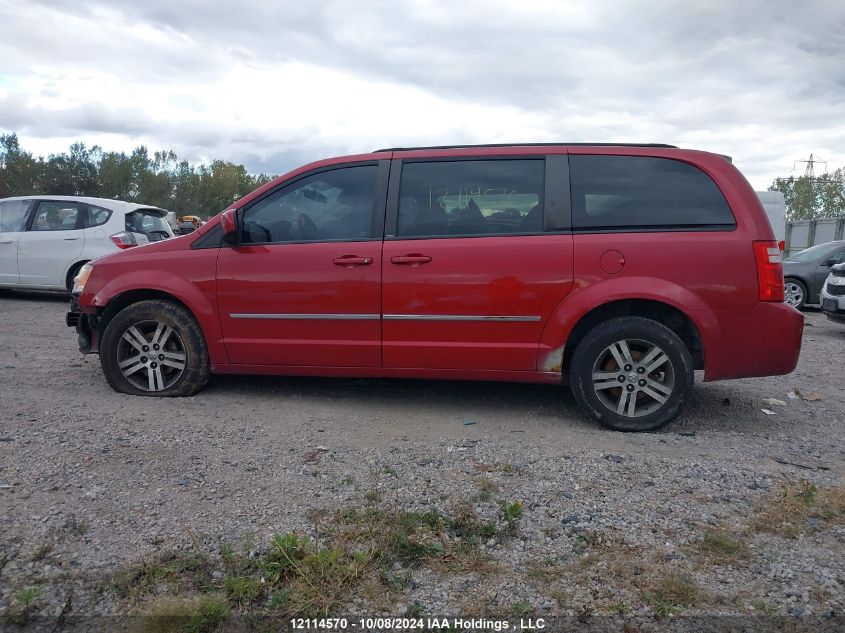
x: 775, y: 206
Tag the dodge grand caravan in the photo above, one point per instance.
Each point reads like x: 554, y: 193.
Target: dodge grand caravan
x: 619, y: 269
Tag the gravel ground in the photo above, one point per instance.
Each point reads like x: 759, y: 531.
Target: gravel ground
x: 93, y: 482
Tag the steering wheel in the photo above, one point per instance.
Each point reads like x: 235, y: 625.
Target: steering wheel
x: 305, y: 227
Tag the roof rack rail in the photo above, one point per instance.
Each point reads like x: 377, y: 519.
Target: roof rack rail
x: 469, y: 145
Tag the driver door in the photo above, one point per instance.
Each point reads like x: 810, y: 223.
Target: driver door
x: 303, y: 285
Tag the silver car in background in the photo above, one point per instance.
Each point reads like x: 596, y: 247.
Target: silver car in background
x: 45, y: 240
x: 833, y: 294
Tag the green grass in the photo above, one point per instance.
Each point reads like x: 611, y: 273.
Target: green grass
x: 721, y: 547
x: 367, y: 550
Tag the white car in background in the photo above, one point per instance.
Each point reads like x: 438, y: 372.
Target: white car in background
x: 45, y: 240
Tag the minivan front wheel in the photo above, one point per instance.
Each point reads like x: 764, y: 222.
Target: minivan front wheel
x: 631, y: 374
x: 154, y: 348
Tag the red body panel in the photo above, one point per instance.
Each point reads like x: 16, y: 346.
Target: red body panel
x: 520, y: 277
x: 300, y: 279
x: 555, y: 279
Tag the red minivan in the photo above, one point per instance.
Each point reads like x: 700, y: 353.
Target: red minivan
x: 618, y: 268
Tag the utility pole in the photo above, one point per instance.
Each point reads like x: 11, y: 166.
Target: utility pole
x: 810, y: 171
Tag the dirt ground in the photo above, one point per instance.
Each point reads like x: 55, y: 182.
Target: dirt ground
x: 101, y: 479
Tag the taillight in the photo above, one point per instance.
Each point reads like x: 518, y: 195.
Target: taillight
x: 124, y: 240
x: 769, y: 270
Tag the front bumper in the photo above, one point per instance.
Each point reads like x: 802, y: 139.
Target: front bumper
x: 85, y: 324
x: 833, y: 306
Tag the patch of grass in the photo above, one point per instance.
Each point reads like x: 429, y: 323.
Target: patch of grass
x: 242, y: 589
x: 21, y: 609
x: 761, y: 605
x: 372, y: 496
x: 41, y: 552
x: 368, y: 550
x: 173, y: 571
x: 672, y: 591
x: 619, y: 608
x: 512, y: 511
x: 545, y: 571
x: 346, y: 481
x: 521, y: 609
x: 720, y: 547
x: 414, y: 610
x: 562, y: 598
x: 211, y: 612
x: 801, y: 507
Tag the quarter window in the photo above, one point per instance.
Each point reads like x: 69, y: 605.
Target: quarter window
x: 624, y: 192
x: 471, y: 197
x: 336, y: 205
x: 56, y: 215
x: 13, y: 214
x: 97, y: 216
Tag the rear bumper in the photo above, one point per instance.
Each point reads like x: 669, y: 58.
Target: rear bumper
x: 85, y: 325
x: 765, y: 341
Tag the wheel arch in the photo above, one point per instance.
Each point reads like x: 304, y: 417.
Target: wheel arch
x: 198, y: 304
x: 75, y: 266
x: 669, y: 315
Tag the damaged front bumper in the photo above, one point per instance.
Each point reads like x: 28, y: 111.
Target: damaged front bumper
x: 85, y: 324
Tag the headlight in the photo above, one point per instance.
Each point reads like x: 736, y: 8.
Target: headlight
x: 82, y: 277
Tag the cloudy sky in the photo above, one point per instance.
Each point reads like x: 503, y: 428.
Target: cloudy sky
x: 273, y: 83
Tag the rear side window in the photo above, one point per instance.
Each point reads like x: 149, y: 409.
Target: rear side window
x: 97, y: 216
x: 56, y: 215
x: 470, y: 197
x: 13, y: 214
x: 641, y: 193
x: 148, y: 223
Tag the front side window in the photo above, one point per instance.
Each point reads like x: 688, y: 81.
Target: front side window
x: 13, y: 214
x: 471, y: 197
x: 335, y: 205
x: 636, y: 192
x: 56, y: 215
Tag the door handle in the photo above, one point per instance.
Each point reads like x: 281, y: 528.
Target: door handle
x: 348, y: 261
x: 70, y: 239
x: 6, y: 241
x: 410, y: 260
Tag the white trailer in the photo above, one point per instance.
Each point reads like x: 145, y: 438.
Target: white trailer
x: 775, y: 207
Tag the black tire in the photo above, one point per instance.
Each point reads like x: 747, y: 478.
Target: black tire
x: 71, y: 274
x: 801, y: 288
x: 672, y: 379
x: 187, y: 348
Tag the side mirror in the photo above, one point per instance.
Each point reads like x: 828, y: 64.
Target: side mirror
x: 829, y: 262
x: 229, y: 225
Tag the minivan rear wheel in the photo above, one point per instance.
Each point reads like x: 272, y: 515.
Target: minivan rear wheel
x: 155, y: 348
x: 631, y: 374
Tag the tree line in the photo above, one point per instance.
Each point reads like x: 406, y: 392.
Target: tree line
x: 813, y: 197
x: 160, y: 179
x: 165, y: 181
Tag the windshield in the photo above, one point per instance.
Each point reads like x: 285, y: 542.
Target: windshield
x: 149, y: 222
x: 814, y: 253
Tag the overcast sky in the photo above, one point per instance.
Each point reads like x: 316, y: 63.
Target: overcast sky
x: 274, y: 84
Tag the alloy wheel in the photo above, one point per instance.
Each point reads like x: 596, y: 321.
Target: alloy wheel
x: 793, y: 293
x: 633, y: 377
x: 151, y: 355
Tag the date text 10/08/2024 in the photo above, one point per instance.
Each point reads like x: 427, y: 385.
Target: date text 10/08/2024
x: 385, y: 624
